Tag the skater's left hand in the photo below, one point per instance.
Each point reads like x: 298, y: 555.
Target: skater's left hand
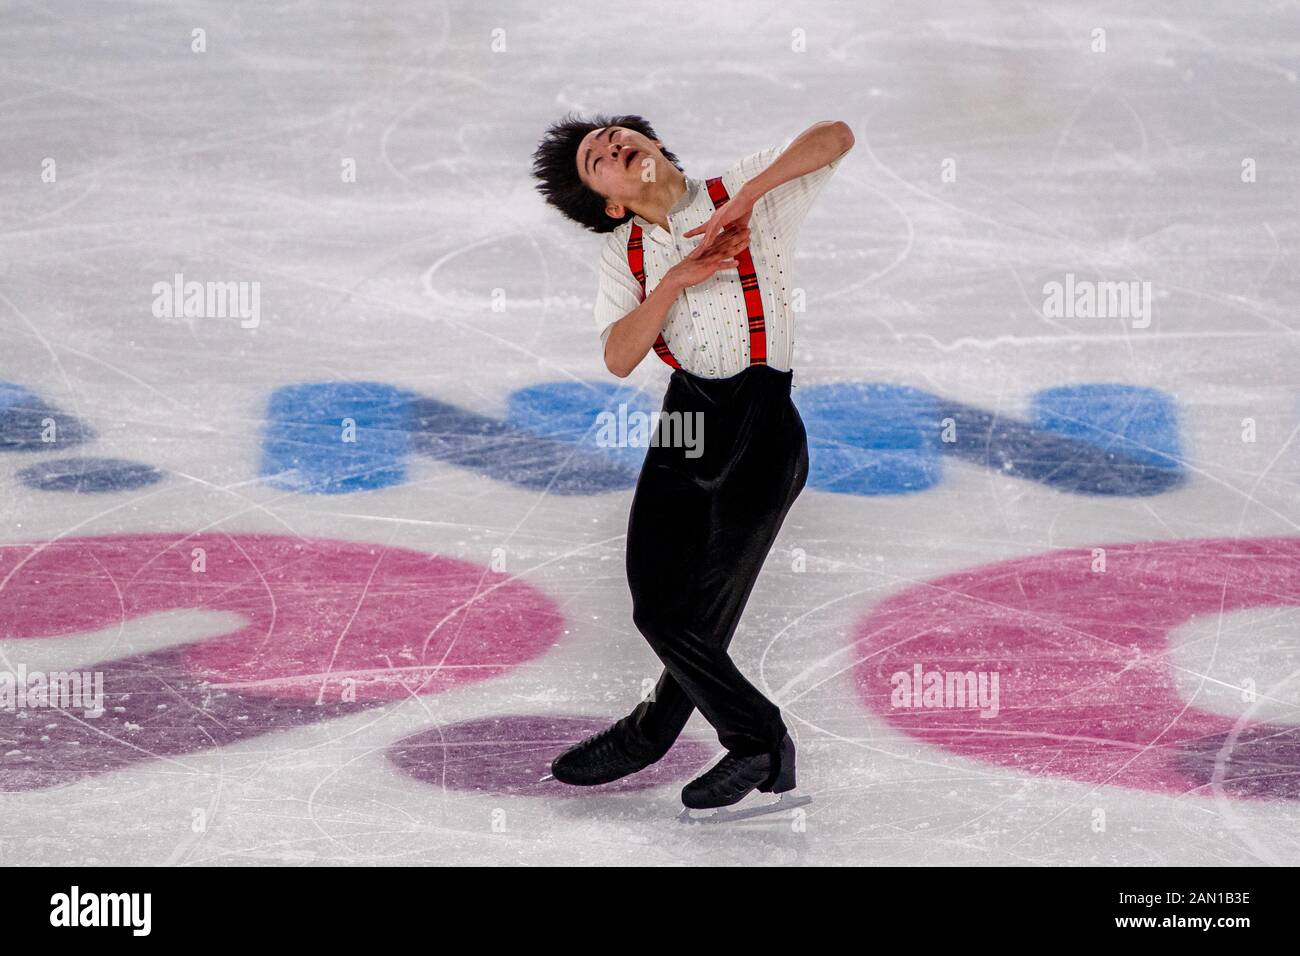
x: 734, y: 214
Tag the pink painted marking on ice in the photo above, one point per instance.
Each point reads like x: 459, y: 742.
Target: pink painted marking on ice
x: 319, y: 611
x: 1086, y: 685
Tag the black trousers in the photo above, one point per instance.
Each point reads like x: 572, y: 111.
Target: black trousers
x: 698, y: 534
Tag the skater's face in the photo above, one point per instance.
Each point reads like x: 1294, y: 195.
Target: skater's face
x: 618, y: 164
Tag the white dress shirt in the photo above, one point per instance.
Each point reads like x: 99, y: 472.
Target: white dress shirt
x: 707, y: 329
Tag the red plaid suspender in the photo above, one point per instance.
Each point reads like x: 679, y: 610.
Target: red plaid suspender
x: 636, y: 262
x: 748, y: 285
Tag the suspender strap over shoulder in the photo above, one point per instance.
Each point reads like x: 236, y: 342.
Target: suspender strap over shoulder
x: 636, y: 262
x: 748, y: 284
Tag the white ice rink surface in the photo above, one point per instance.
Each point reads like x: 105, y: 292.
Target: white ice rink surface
x: 225, y: 165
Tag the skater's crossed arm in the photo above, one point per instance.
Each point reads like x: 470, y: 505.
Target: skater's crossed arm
x: 632, y: 336
x: 817, y: 146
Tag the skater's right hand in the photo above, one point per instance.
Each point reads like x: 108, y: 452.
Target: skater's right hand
x: 704, y: 260
x: 632, y: 336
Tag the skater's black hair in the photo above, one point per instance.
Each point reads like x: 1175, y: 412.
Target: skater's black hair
x: 556, y: 169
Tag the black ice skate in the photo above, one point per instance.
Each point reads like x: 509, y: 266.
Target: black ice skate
x: 603, y: 758
x: 734, y: 777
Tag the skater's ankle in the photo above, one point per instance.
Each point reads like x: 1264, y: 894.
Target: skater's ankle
x: 638, y: 743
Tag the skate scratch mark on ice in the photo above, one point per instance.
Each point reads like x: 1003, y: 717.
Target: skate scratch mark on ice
x: 312, y: 677
x: 422, y: 72
x: 1050, y: 230
x: 1121, y: 436
x: 261, y: 572
x: 1229, y: 809
x: 58, y: 364
x: 387, y: 519
x: 72, y: 203
x: 1190, y: 464
x: 81, y: 721
x: 184, y: 850
x: 1217, y: 790
x: 1033, y: 617
x: 539, y: 537
x: 1273, y: 260
x: 519, y: 576
x: 402, y: 309
x: 125, y: 374
x: 967, y: 341
x: 75, y: 92
x: 1235, y: 301
x: 315, y: 791
x: 1112, y: 770
x: 1250, y: 495
x: 1036, y: 308
x: 356, y: 608
x: 786, y: 703
x: 121, y: 624
x: 93, y: 726
x: 266, y: 589
x: 899, y: 259
x: 1247, y: 494
x: 252, y: 505
x: 1222, y: 53
x: 1068, y: 126
x: 1143, y: 157
x: 238, y: 134
x: 39, y: 546
x: 537, y: 501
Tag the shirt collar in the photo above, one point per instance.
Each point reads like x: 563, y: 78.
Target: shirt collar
x: 687, y: 197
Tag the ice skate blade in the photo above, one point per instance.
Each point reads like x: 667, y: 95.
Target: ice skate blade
x: 787, y: 801
x: 549, y: 776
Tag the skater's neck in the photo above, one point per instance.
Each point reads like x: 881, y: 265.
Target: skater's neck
x: 660, y: 197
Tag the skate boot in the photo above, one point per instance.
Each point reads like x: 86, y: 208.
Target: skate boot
x: 604, y: 757
x: 735, y: 776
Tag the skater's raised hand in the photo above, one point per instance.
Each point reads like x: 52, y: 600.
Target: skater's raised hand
x: 704, y: 261
x: 734, y: 214
x: 731, y: 241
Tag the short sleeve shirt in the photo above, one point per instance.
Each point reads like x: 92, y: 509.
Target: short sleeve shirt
x: 707, y: 329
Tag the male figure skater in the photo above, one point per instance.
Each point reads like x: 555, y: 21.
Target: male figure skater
x: 700, y: 271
